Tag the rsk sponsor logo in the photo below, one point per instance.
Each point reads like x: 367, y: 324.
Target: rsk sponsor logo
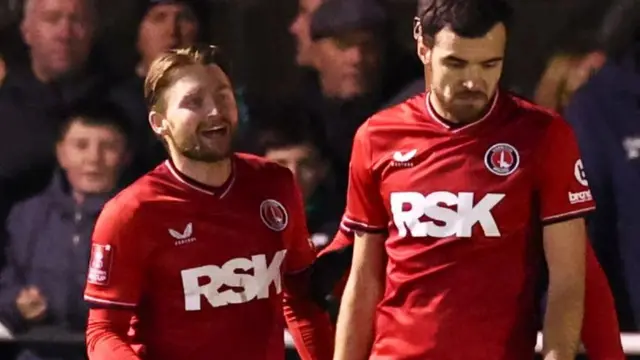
x: 230, y: 283
x: 408, y: 207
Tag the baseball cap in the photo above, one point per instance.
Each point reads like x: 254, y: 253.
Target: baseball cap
x: 334, y: 17
x: 199, y: 7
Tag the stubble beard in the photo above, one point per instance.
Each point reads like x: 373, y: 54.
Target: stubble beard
x: 192, y: 149
x: 460, y: 114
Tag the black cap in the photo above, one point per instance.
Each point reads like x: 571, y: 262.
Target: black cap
x: 199, y: 8
x: 334, y: 17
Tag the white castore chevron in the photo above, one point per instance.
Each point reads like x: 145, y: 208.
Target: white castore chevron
x: 400, y: 157
x: 188, y: 231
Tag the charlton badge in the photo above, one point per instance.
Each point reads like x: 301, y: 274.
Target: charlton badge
x: 502, y: 159
x: 274, y: 215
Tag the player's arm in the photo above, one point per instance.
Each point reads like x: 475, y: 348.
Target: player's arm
x: 364, y: 289
x: 330, y: 271
x: 600, y: 327
x: 564, y: 198
x: 367, y: 217
x: 308, y: 323
x: 564, y: 247
x: 114, y: 282
x: 106, y: 334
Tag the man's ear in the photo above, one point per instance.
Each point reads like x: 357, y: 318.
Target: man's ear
x: 422, y: 50
x: 158, y: 123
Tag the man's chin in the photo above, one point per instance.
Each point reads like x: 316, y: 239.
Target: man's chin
x: 208, y: 156
x: 468, y: 115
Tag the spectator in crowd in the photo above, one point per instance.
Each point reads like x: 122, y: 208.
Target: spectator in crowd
x: 416, y: 86
x: 604, y: 115
x: 300, y: 29
x: 296, y: 148
x: 3, y: 70
x: 359, y: 68
x: 50, y: 233
x: 34, y: 99
x: 565, y: 73
x: 164, y: 24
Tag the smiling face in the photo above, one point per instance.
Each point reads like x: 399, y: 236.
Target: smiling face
x: 200, y: 114
x: 92, y: 156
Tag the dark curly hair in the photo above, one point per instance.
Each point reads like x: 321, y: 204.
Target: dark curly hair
x: 467, y: 18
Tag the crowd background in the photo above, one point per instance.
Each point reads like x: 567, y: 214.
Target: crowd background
x: 307, y: 73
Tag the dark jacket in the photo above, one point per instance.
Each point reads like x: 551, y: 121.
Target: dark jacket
x: 31, y: 116
x: 338, y: 120
x: 605, y: 115
x: 148, y: 151
x: 50, y: 240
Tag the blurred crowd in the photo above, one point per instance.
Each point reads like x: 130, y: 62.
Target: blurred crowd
x: 73, y: 134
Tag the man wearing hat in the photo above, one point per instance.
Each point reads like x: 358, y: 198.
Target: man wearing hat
x: 164, y: 24
x: 299, y: 28
x: 358, y: 69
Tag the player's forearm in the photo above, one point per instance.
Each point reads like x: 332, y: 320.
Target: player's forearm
x: 355, y: 329
x: 106, y: 333
x: 109, y: 346
x: 310, y: 329
x: 600, y: 328
x: 309, y: 325
x: 563, y: 320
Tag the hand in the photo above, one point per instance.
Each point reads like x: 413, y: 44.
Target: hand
x: 31, y: 304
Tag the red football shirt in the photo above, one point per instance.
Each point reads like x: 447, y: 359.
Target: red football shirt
x: 460, y: 206
x: 202, y: 267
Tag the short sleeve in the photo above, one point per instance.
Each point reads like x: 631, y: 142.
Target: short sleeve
x: 365, y: 208
x: 300, y: 250
x: 562, y: 184
x: 117, y: 258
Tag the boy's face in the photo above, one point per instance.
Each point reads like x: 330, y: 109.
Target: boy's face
x: 305, y: 164
x: 92, y: 156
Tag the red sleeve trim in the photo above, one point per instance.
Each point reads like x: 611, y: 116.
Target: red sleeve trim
x: 103, y: 302
x: 568, y: 215
x: 345, y: 230
x: 353, y: 225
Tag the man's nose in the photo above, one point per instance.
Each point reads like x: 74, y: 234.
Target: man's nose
x: 355, y: 54
x: 472, y: 78
x: 214, y: 112
x: 64, y: 30
x: 294, y: 28
x: 470, y: 84
x: 93, y: 155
